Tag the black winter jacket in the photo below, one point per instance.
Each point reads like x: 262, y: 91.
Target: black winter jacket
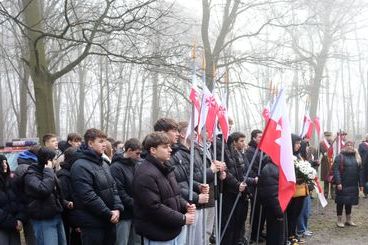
x: 11, y: 209
x: 181, y: 163
x: 231, y: 182
x: 268, y: 186
x: 349, y: 174
x: 43, y: 193
x: 198, y: 173
x: 122, y: 169
x: 158, y: 207
x: 94, y: 191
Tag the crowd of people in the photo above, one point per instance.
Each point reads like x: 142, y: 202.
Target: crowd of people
x: 96, y: 190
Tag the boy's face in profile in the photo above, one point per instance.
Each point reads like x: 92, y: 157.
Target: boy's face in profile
x: 161, y: 152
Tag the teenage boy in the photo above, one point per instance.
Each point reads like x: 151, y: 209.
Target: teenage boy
x: 97, y: 203
x: 160, y: 212
x: 122, y: 169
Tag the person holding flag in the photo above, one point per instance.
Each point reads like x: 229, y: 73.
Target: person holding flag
x: 277, y: 179
x: 327, y: 151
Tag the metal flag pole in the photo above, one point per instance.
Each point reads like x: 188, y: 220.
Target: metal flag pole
x: 191, y: 167
x: 239, y: 194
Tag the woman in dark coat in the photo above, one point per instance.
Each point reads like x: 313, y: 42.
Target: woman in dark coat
x: 11, y: 211
x: 348, y: 176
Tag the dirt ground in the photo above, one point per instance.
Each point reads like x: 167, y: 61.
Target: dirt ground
x: 323, y: 225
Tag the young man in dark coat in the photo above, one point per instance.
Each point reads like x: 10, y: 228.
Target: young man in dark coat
x: 256, y: 136
x: 122, y: 169
x: 160, y: 212
x: 44, y: 200
x: 72, y: 232
x: 96, y: 200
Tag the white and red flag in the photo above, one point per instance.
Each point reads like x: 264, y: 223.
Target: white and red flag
x: 266, y: 112
x: 206, y: 94
x: 307, y: 129
x: 223, y: 120
x: 276, y: 142
x: 317, y: 126
x: 195, y: 99
x: 213, y: 107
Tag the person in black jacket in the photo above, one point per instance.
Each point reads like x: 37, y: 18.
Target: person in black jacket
x: 201, y: 192
x: 348, y: 175
x: 259, y: 216
x: 160, y: 212
x: 72, y: 232
x: 12, y: 216
x: 96, y: 200
x: 232, y: 185
x: 44, y: 201
x: 268, y: 187
x: 122, y: 169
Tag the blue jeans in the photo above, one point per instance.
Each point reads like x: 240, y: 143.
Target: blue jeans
x: 49, y: 232
x: 304, y: 216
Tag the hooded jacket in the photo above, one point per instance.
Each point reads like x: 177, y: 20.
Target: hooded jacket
x: 94, y: 190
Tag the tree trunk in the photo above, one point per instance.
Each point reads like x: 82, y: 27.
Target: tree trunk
x: 57, y: 101
x: 155, y: 111
x: 141, y: 108
x: 23, y: 104
x: 297, y: 98
x: 38, y: 67
x: 102, y: 118
x: 82, y: 97
x: 43, y: 90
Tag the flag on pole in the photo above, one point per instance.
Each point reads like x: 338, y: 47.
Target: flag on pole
x: 307, y: 129
x: 223, y: 119
x: 194, y: 97
x: 317, y: 126
x: 276, y: 142
x: 266, y: 112
x: 213, y: 107
x: 206, y: 94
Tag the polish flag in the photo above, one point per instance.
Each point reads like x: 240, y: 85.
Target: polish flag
x: 206, y: 94
x: 276, y: 142
x: 223, y: 120
x: 194, y: 98
x: 317, y: 125
x: 213, y: 107
x: 266, y: 112
x: 307, y: 129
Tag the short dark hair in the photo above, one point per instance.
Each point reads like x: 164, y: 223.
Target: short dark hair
x: 47, y: 137
x: 132, y: 144
x: 70, y: 155
x: 155, y: 139
x: 165, y: 124
x: 45, y: 154
x: 116, y: 143
x: 254, y: 133
x: 93, y: 133
x: 74, y: 137
x: 236, y: 136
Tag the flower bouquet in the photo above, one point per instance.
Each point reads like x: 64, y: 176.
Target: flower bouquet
x: 304, y: 172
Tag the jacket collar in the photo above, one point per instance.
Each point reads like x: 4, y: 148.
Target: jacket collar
x: 164, y: 168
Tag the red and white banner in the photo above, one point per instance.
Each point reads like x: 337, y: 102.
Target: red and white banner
x: 276, y: 142
x: 307, y: 129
